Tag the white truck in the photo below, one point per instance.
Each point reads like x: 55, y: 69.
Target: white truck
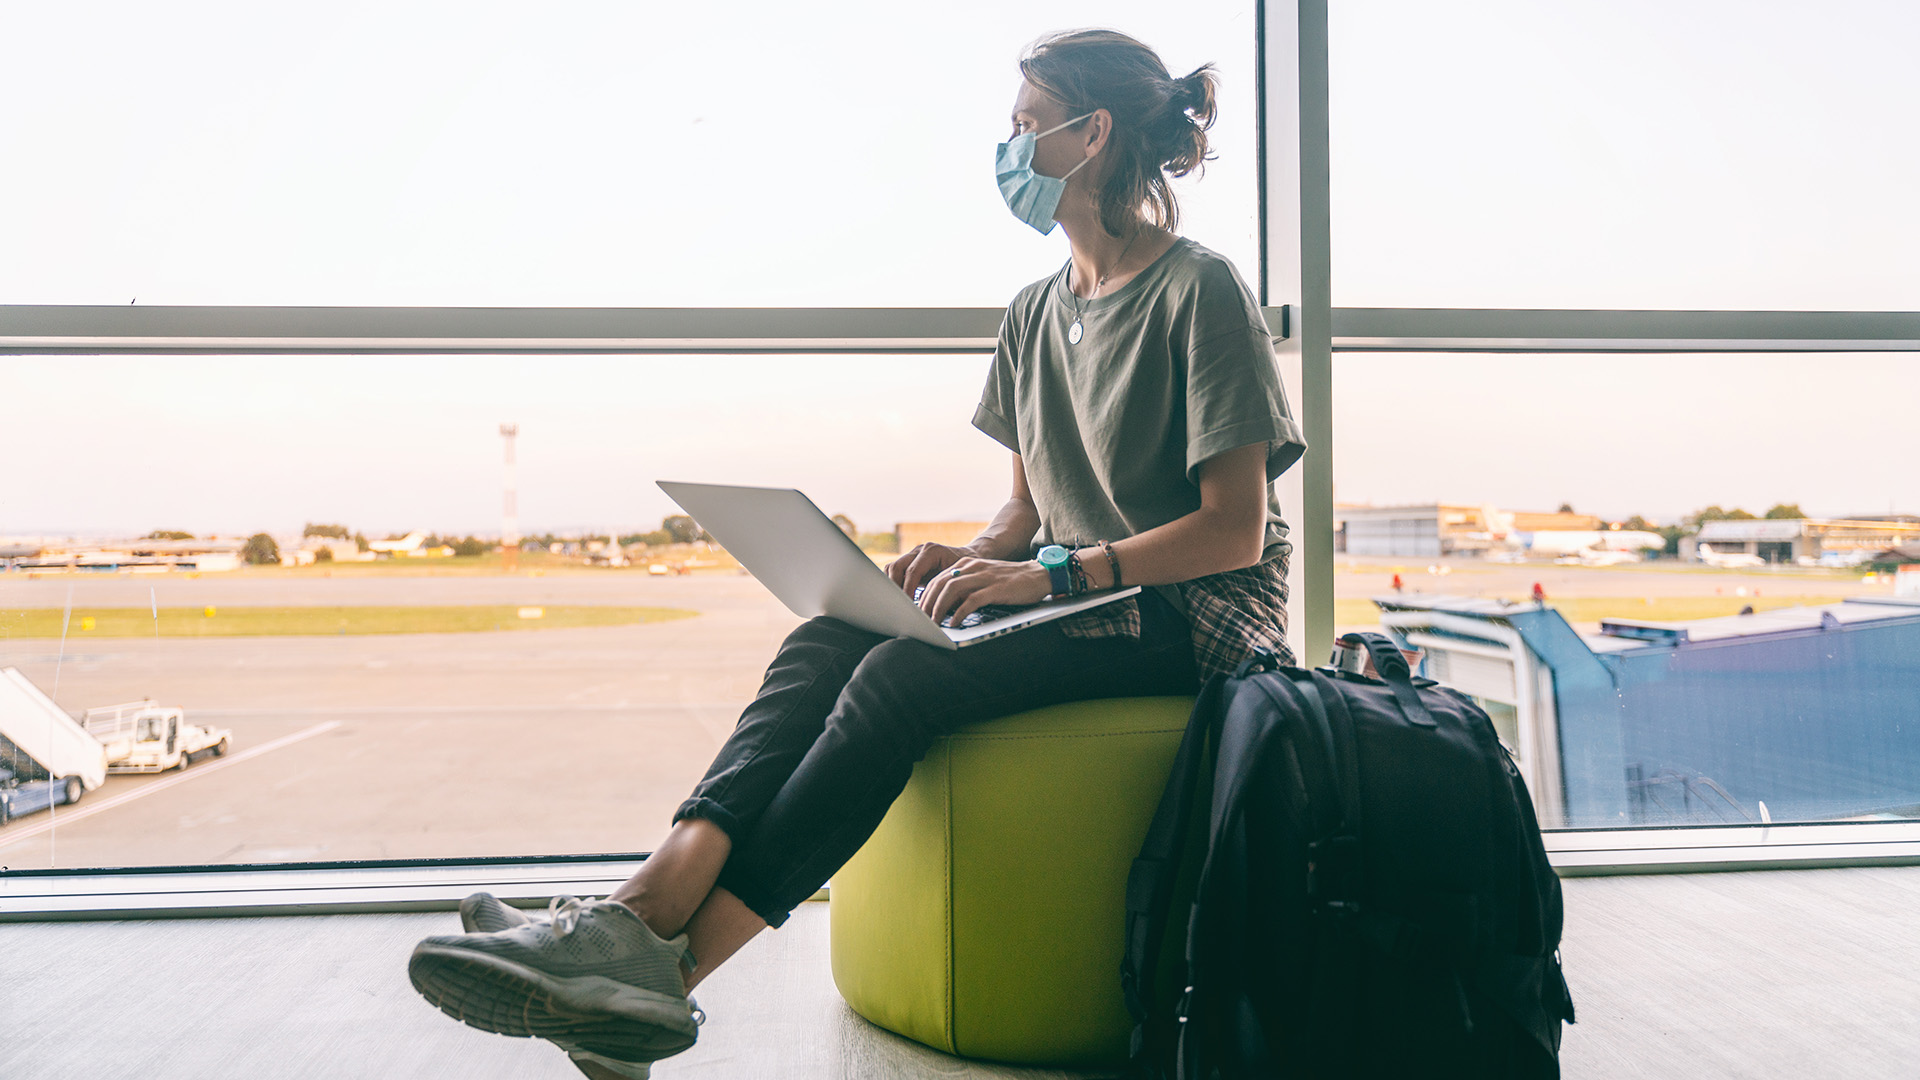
x: 39, y: 741
x: 145, y: 737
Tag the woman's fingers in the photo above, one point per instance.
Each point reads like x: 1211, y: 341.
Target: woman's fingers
x: 939, y: 586
x: 922, y: 563
x: 945, y: 594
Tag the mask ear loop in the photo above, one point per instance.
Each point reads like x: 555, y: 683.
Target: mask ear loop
x: 1062, y: 127
x: 1068, y: 124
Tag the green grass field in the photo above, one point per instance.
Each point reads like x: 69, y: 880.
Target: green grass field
x: 1356, y: 611
x: 307, y: 621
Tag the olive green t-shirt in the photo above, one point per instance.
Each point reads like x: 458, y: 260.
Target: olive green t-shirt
x: 1172, y: 368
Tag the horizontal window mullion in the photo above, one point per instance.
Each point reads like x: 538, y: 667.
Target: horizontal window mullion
x: 74, y: 329
x: 1589, y: 331
x: 395, y: 885
x: 318, y: 330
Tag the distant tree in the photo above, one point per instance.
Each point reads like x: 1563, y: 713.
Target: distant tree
x: 1715, y: 513
x: 1783, y: 511
x: 261, y: 550
x: 330, y: 532
x: 846, y: 524
x: 1673, y: 533
x: 656, y: 538
x: 1565, y: 508
x: 470, y: 547
x: 1636, y: 523
x: 683, y: 528
x: 167, y: 534
x: 324, y: 554
x: 360, y: 541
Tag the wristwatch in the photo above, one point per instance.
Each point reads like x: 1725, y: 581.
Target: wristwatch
x: 1054, y: 558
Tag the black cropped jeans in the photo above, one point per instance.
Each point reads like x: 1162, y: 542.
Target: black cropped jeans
x: 843, y: 714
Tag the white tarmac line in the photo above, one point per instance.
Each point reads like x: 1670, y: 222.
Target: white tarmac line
x: 68, y: 817
x: 436, y: 710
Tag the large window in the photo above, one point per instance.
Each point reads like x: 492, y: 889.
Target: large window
x: 471, y: 157
x: 411, y: 695
x: 1674, y: 580
x: 1717, y: 154
x: 425, y: 701
x: 610, y: 154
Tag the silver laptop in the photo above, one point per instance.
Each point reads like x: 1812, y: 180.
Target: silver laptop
x: 803, y: 558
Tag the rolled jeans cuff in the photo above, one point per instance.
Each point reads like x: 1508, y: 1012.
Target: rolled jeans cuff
x: 702, y: 807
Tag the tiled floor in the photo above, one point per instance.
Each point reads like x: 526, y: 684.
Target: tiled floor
x: 1812, y: 973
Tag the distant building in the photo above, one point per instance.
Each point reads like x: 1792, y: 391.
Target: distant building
x: 1431, y: 530
x: 1787, y: 540
x: 956, y: 533
x: 144, y: 556
x: 338, y: 550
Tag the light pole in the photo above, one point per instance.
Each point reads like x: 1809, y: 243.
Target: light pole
x: 509, y: 510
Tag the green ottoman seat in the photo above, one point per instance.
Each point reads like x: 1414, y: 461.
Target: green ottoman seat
x: 985, y: 917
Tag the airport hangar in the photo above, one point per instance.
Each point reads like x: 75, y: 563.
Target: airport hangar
x: 1789, y: 540
x: 1435, y: 529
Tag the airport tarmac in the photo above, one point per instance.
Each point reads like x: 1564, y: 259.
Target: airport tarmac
x: 510, y: 743
x: 515, y: 743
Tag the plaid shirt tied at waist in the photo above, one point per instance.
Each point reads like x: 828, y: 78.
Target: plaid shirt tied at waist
x: 1232, y: 613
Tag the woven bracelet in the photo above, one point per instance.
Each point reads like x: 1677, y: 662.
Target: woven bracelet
x: 1112, y: 560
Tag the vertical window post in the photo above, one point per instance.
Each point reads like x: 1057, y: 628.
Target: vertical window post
x: 1297, y: 270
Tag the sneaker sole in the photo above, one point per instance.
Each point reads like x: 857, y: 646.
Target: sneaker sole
x: 592, y: 1012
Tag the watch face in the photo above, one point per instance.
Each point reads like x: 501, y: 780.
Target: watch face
x: 1052, y: 555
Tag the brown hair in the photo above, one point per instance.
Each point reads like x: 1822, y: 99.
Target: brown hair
x: 1159, y: 122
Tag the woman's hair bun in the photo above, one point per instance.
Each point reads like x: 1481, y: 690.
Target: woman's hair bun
x: 1194, y: 93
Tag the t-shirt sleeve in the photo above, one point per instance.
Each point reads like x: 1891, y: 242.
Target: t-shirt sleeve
x: 1234, y: 396
x: 996, y: 414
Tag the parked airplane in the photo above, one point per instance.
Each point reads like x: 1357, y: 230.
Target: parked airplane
x: 1728, y: 560
x: 1599, y: 557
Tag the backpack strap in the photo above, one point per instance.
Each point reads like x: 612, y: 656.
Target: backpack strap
x: 1150, y: 880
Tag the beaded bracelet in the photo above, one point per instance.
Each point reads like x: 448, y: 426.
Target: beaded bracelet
x: 1076, y: 575
x: 1112, y: 560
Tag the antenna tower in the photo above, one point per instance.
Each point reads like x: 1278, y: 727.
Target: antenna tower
x: 509, y: 507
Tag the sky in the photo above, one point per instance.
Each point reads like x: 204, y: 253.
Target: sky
x: 1669, y: 155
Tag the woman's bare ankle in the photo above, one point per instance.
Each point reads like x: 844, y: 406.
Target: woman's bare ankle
x: 664, y: 922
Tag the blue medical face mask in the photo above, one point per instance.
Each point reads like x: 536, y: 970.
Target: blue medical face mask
x: 1032, y: 198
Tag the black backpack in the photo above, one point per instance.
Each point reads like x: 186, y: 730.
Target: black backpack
x: 1374, y: 898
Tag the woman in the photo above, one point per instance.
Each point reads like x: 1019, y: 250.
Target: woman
x: 1136, y: 389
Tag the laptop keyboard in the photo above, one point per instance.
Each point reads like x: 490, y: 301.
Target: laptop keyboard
x: 986, y: 614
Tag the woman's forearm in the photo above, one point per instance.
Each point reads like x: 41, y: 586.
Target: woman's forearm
x: 1207, y: 541
x: 1010, y: 534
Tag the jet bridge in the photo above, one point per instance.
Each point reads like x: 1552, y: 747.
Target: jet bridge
x: 1798, y: 714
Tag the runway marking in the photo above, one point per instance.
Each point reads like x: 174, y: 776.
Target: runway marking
x: 67, y: 817
x: 435, y: 710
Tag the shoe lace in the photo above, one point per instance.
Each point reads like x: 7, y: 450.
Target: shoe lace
x: 563, y: 913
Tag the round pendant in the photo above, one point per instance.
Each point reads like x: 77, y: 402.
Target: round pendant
x: 1074, y: 332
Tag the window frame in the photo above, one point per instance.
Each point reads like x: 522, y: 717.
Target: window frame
x: 1295, y: 286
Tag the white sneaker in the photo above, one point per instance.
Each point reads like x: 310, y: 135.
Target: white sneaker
x: 483, y: 913
x: 594, y: 978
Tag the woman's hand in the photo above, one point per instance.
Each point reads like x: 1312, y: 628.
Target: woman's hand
x: 970, y: 584
x: 922, y: 562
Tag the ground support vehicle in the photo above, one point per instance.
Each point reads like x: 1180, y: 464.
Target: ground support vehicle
x: 145, y: 737
x: 40, y: 742
x: 19, y: 797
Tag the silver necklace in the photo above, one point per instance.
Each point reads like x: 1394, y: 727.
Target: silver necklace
x: 1076, y: 332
